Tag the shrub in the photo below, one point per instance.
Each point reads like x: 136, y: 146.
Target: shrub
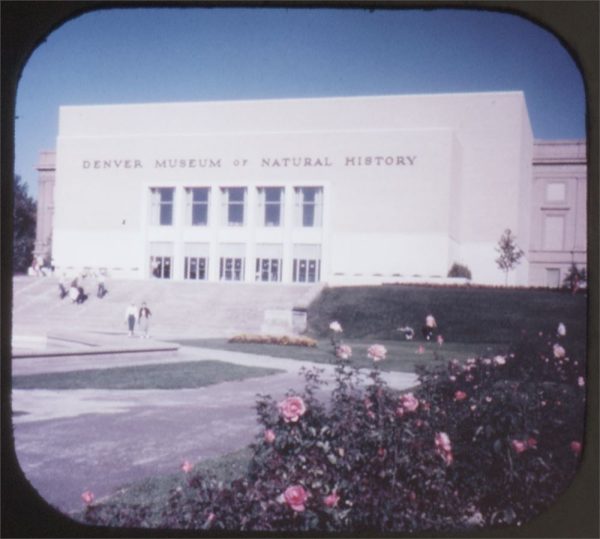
x: 486, y: 442
x: 575, y: 278
x: 458, y: 270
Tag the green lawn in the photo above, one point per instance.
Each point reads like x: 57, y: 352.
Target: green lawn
x: 467, y: 314
x: 154, y: 491
x: 182, y: 375
x: 402, y: 355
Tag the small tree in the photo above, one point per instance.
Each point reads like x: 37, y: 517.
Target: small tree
x: 24, y: 226
x: 510, y: 253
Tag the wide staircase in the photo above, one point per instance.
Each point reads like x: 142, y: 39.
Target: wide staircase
x: 179, y: 309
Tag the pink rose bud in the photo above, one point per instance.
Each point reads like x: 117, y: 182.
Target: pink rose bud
x: 442, y: 441
x: 88, y: 497
x: 335, y: 326
x: 332, y: 500
x: 559, y: 351
x: 343, y: 351
x: 187, y: 466
x: 518, y: 446
x: 269, y: 436
x: 460, y: 395
x: 499, y: 360
x: 576, y: 447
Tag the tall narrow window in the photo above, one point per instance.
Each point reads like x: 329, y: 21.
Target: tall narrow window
x: 232, y: 262
x: 162, y: 206
x: 307, y: 264
x: 197, y: 206
x: 231, y: 269
x: 195, y: 264
x: 161, y: 257
x: 309, y: 206
x: 269, y: 262
x: 234, y: 199
x: 270, y: 201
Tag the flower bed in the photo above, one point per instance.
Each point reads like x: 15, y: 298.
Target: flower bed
x: 284, y: 340
x: 490, y: 441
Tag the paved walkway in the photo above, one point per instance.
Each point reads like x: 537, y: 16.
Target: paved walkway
x: 71, y: 441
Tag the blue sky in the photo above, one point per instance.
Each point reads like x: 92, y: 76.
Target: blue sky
x: 175, y: 54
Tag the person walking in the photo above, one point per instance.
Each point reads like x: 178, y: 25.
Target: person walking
x: 130, y: 316
x: 429, y: 327
x: 101, y: 284
x: 144, y: 320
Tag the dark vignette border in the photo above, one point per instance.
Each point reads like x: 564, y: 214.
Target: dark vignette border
x: 25, y: 25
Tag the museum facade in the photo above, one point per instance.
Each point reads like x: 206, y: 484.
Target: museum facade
x: 351, y: 190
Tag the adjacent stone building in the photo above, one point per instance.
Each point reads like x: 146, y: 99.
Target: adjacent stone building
x: 351, y: 190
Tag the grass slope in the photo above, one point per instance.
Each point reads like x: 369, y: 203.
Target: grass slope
x: 182, y: 375
x: 464, y: 314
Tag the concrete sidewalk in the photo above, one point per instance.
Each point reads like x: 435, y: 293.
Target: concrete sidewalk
x: 71, y: 441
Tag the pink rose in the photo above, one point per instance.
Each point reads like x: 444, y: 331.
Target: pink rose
x: 518, y: 446
x: 331, y: 500
x: 187, y: 466
x: 440, y: 340
x: 409, y: 402
x: 499, y: 360
x: 443, y: 447
x: 376, y: 352
x: 576, y: 447
x: 442, y: 442
x: 343, y: 351
x: 292, y: 409
x: 580, y: 381
x: 559, y: 351
x: 269, y: 436
x: 295, y: 496
x: 87, y: 497
x: 335, y: 326
x: 460, y: 395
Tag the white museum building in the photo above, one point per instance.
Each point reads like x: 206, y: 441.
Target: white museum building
x: 348, y: 190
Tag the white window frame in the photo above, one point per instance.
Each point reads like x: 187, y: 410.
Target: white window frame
x: 191, y: 204
x: 227, y: 268
x: 228, y: 205
x: 158, y: 204
x: 302, y: 206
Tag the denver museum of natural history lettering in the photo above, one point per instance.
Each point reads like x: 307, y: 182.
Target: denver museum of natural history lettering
x: 338, y: 190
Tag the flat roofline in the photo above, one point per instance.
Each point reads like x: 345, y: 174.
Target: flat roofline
x: 302, y: 99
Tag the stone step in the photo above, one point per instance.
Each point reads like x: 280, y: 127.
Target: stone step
x: 188, y: 308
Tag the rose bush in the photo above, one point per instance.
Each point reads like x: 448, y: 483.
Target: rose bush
x: 484, y: 442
